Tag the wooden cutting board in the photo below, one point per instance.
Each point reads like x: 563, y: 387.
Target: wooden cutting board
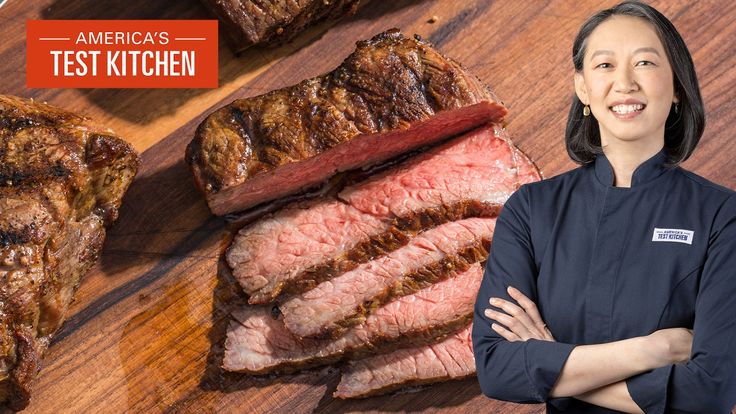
x: 145, y: 332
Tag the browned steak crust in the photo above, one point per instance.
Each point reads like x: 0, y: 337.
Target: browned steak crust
x: 391, y: 95
x: 62, y: 179
x: 273, y: 22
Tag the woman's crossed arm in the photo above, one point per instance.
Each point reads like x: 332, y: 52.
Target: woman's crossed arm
x: 593, y: 373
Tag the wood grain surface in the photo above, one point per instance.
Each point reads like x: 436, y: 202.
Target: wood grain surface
x: 145, y: 332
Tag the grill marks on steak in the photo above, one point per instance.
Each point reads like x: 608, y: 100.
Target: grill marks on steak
x: 450, y: 359
x: 433, y: 255
x: 390, y: 96
x: 250, y: 22
x: 308, y: 243
x: 257, y: 343
x: 62, y: 179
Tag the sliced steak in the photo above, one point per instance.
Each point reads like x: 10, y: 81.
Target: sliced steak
x: 391, y: 95
x: 301, y: 245
x: 62, y: 179
x: 251, y: 22
x: 307, y: 243
x: 450, y: 359
x: 257, y: 343
x: 434, y: 255
x: 479, y: 166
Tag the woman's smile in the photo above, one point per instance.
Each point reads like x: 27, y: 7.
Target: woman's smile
x: 628, y: 109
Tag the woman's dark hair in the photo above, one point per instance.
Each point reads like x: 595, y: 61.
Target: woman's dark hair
x: 683, y: 128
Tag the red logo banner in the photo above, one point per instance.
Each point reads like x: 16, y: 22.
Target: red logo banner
x: 121, y: 54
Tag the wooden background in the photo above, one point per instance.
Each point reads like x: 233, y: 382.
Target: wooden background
x: 144, y: 334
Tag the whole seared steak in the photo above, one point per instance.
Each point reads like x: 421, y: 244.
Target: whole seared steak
x: 273, y: 22
x: 391, y: 95
x: 62, y: 179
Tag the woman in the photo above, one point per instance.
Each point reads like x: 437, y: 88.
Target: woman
x: 597, y: 276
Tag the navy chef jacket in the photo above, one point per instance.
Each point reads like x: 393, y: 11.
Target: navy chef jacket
x: 605, y: 263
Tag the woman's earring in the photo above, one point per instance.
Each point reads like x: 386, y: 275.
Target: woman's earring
x: 586, y: 110
x: 676, y: 107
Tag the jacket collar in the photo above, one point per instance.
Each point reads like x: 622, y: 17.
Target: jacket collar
x: 644, y: 173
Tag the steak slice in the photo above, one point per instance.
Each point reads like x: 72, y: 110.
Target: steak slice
x: 62, y: 179
x: 390, y: 96
x: 307, y: 243
x: 304, y: 244
x: 251, y: 22
x: 479, y: 166
x: 434, y: 255
x: 450, y: 359
x: 257, y: 343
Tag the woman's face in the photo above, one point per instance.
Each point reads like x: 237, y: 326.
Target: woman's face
x: 627, y: 81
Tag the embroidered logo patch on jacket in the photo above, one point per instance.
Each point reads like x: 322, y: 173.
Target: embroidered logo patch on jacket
x: 673, y: 235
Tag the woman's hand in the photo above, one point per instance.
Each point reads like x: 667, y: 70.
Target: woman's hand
x: 670, y: 346
x: 520, y: 322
